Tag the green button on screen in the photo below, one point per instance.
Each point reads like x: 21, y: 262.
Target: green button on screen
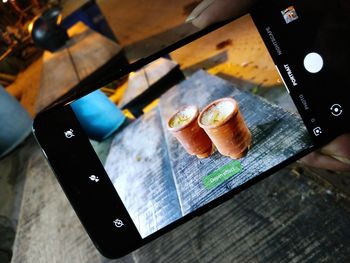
x: 221, y: 175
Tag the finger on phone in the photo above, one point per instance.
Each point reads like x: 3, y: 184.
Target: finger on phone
x: 212, y: 11
x: 322, y: 161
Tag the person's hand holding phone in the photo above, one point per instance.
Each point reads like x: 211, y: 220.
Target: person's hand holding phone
x: 334, y: 156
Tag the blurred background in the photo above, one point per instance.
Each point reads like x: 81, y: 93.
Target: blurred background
x: 140, y: 28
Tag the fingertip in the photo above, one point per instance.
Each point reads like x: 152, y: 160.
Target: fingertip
x: 321, y: 161
x: 209, y: 11
x: 199, y: 16
x: 200, y: 22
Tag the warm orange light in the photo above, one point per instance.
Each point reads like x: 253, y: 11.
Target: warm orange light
x: 59, y: 19
x: 30, y: 27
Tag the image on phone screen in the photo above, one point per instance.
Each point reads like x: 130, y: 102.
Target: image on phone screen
x: 158, y: 178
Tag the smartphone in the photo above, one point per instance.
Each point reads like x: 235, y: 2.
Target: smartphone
x: 130, y: 182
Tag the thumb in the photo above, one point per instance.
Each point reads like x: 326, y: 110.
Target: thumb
x: 212, y: 11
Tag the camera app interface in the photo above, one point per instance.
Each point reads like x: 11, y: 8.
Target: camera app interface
x: 171, y: 145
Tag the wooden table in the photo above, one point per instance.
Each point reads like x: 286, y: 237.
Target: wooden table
x: 149, y: 83
x: 281, y: 219
x: 84, y: 54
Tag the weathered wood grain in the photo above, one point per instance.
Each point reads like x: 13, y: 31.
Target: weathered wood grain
x: 277, y: 136
x: 139, y: 168
x: 143, y: 79
x: 83, y: 54
x: 90, y: 50
x: 57, y: 77
x: 12, y: 178
x: 45, y: 212
x: 281, y: 219
x: 145, y: 154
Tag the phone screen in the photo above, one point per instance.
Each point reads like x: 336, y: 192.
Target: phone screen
x: 159, y: 164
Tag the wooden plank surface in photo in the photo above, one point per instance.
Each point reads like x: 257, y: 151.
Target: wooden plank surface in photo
x: 58, y: 76
x: 277, y: 136
x: 85, y: 52
x: 139, y: 168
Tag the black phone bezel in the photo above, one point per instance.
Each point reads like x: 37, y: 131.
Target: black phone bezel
x: 53, y: 121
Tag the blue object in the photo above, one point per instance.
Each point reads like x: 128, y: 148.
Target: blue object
x: 98, y: 115
x: 46, y: 33
x: 16, y: 124
x: 92, y: 16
